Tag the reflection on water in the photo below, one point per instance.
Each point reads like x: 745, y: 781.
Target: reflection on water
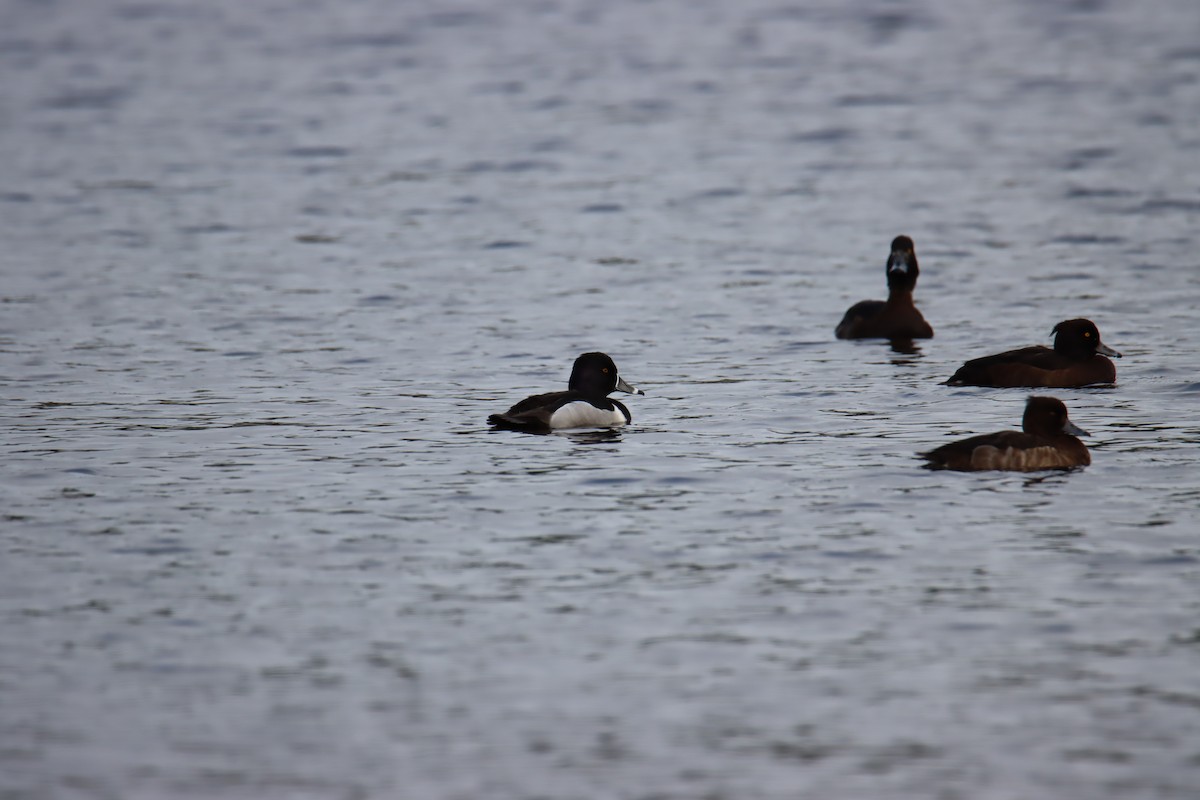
x: 592, y: 436
x: 907, y: 347
x: 254, y: 317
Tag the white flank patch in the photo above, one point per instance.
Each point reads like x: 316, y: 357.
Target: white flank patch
x: 581, y: 414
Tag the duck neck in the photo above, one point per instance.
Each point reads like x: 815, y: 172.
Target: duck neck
x: 900, y: 298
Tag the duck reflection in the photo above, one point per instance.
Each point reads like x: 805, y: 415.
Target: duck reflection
x: 597, y: 436
x: 907, y: 351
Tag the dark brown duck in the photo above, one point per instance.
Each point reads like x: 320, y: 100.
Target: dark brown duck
x: 1046, y: 441
x: 1077, y: 359
x: 897, y: 317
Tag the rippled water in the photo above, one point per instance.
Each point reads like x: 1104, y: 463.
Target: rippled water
x: 268, y: 267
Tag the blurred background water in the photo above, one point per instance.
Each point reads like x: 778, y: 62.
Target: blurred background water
x: 268, y: 266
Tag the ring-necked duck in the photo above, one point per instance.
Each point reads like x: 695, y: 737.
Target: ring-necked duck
x: 1048, y: 442
x: 585, y: 404
x: 897, y: 318
x: 1076, y: 360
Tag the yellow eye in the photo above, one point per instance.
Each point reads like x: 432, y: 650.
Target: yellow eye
x: 605, y: 370
x: 1087, y: 334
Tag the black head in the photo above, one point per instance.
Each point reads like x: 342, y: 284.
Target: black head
x: 902, y: 269
x: 595, y: 375
x: 1047, y: 416
x: 1080, y: 338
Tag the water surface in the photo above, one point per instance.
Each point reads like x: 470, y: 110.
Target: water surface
x: 268, y: 267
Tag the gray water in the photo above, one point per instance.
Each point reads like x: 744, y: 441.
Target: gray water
x: 267, y: 267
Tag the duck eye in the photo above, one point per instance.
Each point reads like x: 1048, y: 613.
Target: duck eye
x: 1087, y: 334
x: 605, y: 369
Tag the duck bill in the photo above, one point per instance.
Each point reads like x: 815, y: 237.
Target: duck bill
x: 1074, y: 430
x: 900, y: 263
x: 901, y: 271
x: 622, y: 386
x: 1105, y: 350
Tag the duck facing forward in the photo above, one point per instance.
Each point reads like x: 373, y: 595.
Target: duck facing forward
x: 1077, y: 359
x: 898, y: 317
x: 1046, y: 441
x: 585, y: 404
